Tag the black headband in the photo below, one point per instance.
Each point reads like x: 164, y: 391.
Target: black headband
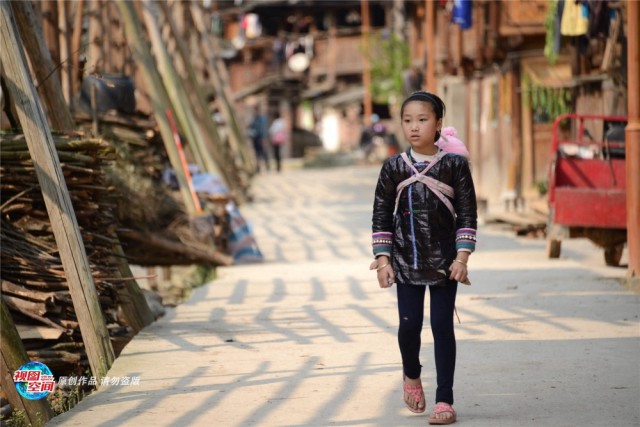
x: 438, y: 105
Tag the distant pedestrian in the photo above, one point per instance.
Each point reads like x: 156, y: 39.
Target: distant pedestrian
x: 258, y: 134
x: 278, y: 136
x: 424, y: 229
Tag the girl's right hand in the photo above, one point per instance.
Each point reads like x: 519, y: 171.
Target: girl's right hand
x: 386, y: 277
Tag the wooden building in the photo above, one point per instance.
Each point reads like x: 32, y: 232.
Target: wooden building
x: 490, y: 74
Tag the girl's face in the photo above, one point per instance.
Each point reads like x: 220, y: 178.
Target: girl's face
x: 419, y: 125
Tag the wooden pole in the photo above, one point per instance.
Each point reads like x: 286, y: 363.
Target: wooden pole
x: 38, y: 412
x: 135, y: 307
x: 95, y: 63
x: 107, y: 39
x: 43, y: 66
x: 76, y: 40
x: 181, y: 105
x: 220, y: 81
x: 430, y: 31
x: 366, y: 69
x: 204, y: 118
x: 50, y: 31
x: 632, y: 138
x: 159, y: 99
x: 56, y: 196
x: 64, y: 14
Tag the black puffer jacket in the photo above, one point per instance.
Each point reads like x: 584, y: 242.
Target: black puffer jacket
x: 424, y: 237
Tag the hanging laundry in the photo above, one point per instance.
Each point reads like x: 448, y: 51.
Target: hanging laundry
x: 599, y: 18
x: 308, y: 45
x: 462, y: 11
x: 575, y: 20
x: 217, y: 25
x: 239, y: 39
x: 557, y: 34
x: 252, y: 26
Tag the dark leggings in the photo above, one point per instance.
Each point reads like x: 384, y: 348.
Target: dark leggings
x: 278, y: 157
x: 411, y: 314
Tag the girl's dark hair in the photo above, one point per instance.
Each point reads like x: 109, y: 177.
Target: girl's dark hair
x: 438, y: 106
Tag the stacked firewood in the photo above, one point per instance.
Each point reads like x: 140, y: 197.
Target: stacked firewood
x: 120, y: 202
x: 34, y: 286
x: 154, y: 228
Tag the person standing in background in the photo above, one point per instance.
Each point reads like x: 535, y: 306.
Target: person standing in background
x: 278, y: 136
x: 258, y: 133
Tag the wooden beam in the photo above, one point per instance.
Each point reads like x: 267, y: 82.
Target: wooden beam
x: 76, y: 40
x: 42, y: 66
x: 135, y: 307
x: 159, y: 99
x: 38, y: 412
x: 181, y: 106
x: 56, y: 196
x: 64, y: 15
x: 50, y: 30
x: 95, y: 63
x: 222, y: 87
x: 229, y: 153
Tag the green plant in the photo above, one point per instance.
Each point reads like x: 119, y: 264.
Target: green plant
x: 549, y: 25
x: 63, y: 399
x: 203, y: 274
x: 389, y: 57
x: 547, y: 103
x: 18, y: 419
x: 542, y: 186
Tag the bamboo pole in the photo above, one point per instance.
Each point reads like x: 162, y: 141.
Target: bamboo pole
x: 49, y: 16
x: 42, y: 66
x: 201, y: 109
x: 56, y: 196
x: 76, y: 40
x: 96, y: 55
x: 169, y: 81
x: 38, y: 412
x: 212, y: 162
x: 107, y: 39
x: 159, y: 99
x: 220, y: 81
x: 64, y: 15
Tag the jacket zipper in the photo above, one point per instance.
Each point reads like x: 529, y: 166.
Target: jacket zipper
x: 413, y: 232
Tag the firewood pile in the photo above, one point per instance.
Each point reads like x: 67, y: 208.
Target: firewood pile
x: 154, y: 228
x: 33, y: 280
x: 114, y: 188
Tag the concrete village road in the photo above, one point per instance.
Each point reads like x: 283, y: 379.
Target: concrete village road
x: 307, y: 338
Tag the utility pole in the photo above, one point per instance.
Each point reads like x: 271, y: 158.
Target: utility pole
x: 632, y: 137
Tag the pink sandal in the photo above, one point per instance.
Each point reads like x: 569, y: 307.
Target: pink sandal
x: 442, y: 408
x: 417, y: 393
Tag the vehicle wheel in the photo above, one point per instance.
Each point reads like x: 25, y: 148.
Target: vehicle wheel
x: 613, y: 254
x: 553, y: 248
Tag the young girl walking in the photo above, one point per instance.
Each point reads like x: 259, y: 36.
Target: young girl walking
x: 424, y: 229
